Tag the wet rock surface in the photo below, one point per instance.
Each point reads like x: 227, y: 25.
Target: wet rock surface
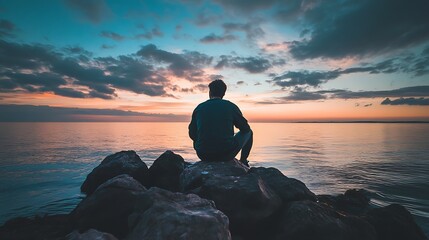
x: 246, y: 199
x: 91, y: 234
x: 394, y: 222
x: 193, y: 175
x: 165, y: 171
x: 308, y: 220
x: 124, y: 162
x: 108, y: 208
x: 211, y: 200
x: 168, y: 215
x: 288, y: 189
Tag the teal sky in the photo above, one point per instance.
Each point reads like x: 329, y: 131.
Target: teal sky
x: 282, y: 60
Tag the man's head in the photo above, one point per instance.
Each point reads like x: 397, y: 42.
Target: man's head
x: 217, y: 89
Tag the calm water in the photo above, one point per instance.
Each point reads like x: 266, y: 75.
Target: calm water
x: 42, y: 165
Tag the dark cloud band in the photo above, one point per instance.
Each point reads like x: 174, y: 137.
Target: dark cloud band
x: 30, y: 113
x: 417, y: 65
x: 406, y: 95
x: 406, y: 101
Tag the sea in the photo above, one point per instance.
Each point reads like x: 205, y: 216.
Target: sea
x: 42, y: 165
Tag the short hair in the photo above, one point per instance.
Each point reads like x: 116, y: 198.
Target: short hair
x: 217, y: 88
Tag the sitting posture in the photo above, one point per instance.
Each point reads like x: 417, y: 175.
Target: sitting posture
x: 212, y: 128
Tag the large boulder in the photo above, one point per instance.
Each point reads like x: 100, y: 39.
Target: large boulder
x: 108, y: 208
x: 165, y: 171
x: 353, y: 201
x: 288, y: 189
x: 246, y: 200
x: 308, y: 220
x: 167, y: 215
x: 124, y: 162
x: 394, y: 222
x: 192, y: 176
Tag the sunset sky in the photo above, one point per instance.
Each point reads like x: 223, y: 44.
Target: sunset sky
x: 283, y: 60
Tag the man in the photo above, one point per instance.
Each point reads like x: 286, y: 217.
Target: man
x: 212, y: 128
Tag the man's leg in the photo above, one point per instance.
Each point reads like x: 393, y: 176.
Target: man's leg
x: 245, y: 142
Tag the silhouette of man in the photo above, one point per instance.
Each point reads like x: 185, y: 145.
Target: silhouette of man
x: 212, y: 128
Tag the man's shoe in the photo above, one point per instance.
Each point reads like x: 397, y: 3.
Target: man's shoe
x: 245, y: 162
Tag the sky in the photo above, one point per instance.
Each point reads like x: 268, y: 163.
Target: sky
x: 282, y: 60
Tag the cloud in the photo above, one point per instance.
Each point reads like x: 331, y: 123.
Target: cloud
x: 250, y: 64
x: 406, y: 101
x: 106, y: 46
x: 350, y: 28
x: 213, y: 38
x: 77, y: 50
x: 301, y: 94
x: 131, y: 74
x: 304, y: 78
x: 6, y: 28
x: 279, y: 10
x: 112, y: 35
x: 215, y: 76
x: 154, y: 32
x: 417, y: 65
x: 185, y: 65
x: 205, y: 18
x: 247, y: 5
x: 201, y: 87
x: 31, y: 113
x: 417, y: 91
x: 74, y: 72
x: 252, y: 29
x: 94, y: 11
x: 343, y: 28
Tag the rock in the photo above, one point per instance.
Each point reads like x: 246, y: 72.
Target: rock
x: 394, y: 222
x: 46, y: 227
x: 288, y: 189
x: 124, y: 162
x: 91, y: 234
x: 226, y: 198
x: 192, y: 176
x: 307, y: 220
x: 188, y: 164
x: 165, y: 171
x: 353, y: 201
x: 177, y: 216
x: 108, y: 208
x: 246, y: 200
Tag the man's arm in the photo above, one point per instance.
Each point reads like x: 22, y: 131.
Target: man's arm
x: 193, y: 127
x: 240, y: 122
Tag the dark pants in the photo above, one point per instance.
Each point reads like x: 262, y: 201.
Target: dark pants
x: 245, y: 142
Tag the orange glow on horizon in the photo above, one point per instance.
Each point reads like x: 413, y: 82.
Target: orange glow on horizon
x: 181, y: 109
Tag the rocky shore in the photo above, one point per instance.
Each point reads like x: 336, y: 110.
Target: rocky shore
x: 174, y: 199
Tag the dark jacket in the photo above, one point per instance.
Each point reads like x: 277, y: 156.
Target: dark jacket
x: 212, y: 126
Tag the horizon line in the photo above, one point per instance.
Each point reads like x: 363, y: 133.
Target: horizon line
x: 327, y: 121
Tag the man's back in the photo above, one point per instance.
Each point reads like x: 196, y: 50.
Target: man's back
x: 212, y: 126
